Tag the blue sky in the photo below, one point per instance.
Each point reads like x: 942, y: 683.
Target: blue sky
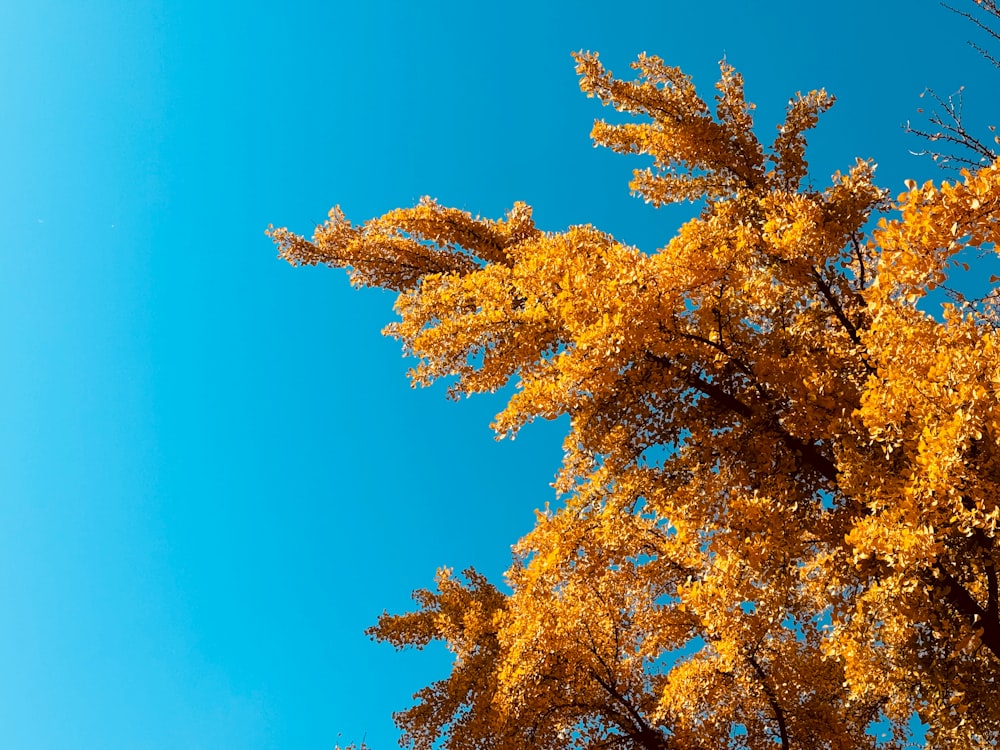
x: 213, y: 472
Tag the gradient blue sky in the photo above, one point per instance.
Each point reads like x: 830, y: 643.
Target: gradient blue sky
x: 213, y: 473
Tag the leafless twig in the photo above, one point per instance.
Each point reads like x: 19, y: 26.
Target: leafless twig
x: 955, y: 147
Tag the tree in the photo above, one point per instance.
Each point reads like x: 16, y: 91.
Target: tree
x: 780, y: 485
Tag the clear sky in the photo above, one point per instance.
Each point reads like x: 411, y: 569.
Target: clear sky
x: 213, y: 472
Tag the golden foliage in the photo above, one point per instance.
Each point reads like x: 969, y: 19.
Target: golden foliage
x: 782, y: 473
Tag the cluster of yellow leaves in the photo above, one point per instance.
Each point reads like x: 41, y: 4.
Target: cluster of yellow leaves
x: 781, y: 475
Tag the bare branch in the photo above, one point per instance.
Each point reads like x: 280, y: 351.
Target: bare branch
x: 991, y: 7
x: 949, y: 128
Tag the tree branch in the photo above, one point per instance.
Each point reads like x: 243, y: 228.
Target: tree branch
x: 809, y: 452
x: 966, y: 605
x: 838, y: 311
x: 638, y: 728
x: 779, y: 714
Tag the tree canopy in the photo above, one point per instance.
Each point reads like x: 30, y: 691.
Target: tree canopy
x: 779, y: 496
